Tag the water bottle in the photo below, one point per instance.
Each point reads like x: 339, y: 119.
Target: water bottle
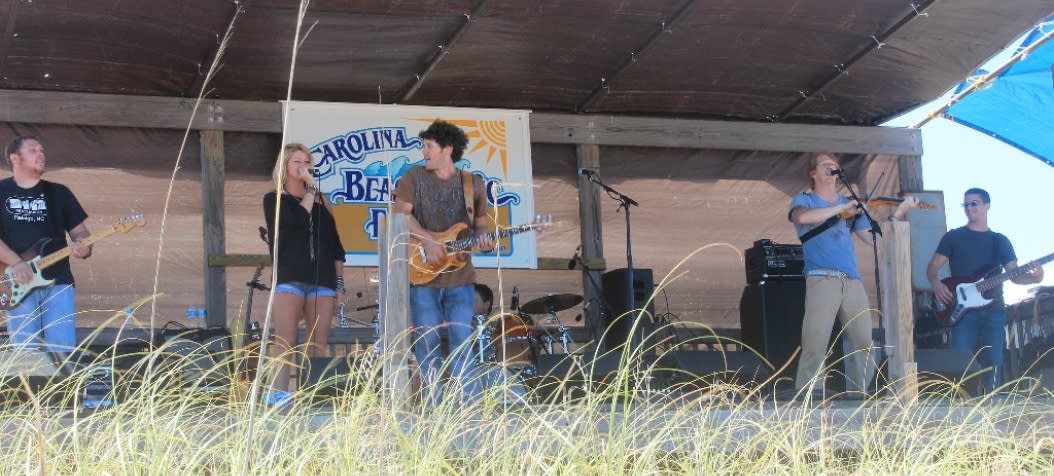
x: 98, y: 387
x: 192, y: 315
x: 203, y: 315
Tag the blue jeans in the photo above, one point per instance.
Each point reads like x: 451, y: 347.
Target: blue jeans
x: 450, y: 308
x: 45, y: 315
x: 984, y: 330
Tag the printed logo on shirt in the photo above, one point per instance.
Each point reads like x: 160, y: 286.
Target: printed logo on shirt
x: 27, y: 209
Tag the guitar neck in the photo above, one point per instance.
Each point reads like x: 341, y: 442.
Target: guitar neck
x: 994, y: 281
x: 472, y: 241
x: 64, y: 253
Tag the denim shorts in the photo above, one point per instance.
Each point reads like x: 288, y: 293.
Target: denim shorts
x: 304, y: 290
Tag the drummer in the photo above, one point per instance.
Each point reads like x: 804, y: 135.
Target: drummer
x: 484, y: 300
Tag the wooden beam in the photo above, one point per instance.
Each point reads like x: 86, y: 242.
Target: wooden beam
x: 591, y: 237
x: 113, y: 110
x: 634, y: 131
x: 212, y: 221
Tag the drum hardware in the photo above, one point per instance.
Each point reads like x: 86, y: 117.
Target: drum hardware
x: 484, y: 336
x: 561, y: 330
x: 551, y: 303
x: 344, y: 321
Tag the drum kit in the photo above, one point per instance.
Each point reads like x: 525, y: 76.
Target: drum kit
x: 514, y: 340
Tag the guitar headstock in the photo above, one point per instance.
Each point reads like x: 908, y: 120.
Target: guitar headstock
x: 541, y: 223
x: 126, y: 224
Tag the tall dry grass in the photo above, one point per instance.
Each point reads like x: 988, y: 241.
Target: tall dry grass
x: 161, y: 423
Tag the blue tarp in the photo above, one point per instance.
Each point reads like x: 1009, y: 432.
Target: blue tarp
x: 1017, y: 106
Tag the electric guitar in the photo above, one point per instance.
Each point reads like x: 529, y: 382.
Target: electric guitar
x: 968, y: 292
x: 12, y: 293
x: 456, y: 253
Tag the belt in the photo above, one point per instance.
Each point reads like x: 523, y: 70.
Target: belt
x: 830, y: 273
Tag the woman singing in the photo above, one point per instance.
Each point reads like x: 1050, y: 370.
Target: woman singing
x: 310, y: 260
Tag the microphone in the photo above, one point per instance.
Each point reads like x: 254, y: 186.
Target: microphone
x: 574, y: 259
x: 833, y: 172
x: 516, y: 298
x: 586, y: 172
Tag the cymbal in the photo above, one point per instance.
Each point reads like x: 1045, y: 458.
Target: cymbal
x: 551, y: 303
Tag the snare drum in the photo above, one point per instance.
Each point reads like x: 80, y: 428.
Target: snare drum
x: 514, y: 345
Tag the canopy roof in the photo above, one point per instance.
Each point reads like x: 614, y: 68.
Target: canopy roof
x: 1015, y: 104
x: 802, y: 61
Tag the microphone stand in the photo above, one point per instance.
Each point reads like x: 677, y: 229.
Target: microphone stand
x: 624, y: 203
x: 876, y: 231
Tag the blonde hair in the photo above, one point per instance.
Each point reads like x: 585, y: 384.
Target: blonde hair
x: 814, y: 161
x: 279, y: 173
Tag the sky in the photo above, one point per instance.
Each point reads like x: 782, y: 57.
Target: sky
x: 956, y: 158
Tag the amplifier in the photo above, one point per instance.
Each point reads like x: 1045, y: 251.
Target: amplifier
x: 773, y: 260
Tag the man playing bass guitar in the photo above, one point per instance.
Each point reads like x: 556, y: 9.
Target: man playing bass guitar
x: 971, y: 249
x: 434, y: 198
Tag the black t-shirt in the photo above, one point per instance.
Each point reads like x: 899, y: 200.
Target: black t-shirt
x: 972, y: 252
x: 308, y: 244
x: 25, y: 218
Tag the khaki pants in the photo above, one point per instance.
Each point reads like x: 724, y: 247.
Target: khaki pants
x: 825, y: 298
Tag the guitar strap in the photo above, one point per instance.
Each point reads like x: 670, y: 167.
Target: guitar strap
x: 469, y: 186
x: 822, y: 227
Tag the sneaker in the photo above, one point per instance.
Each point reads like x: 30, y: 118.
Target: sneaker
x: 279, y: 398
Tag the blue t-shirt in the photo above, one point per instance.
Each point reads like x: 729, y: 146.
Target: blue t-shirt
x: 971, y: 253
x: 832, y: 249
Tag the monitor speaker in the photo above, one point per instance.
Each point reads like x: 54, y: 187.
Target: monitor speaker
x: 693, y: 370
x: 625, y: 323
x: 336, y: 376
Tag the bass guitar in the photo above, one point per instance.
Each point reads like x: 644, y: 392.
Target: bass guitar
x: 456, y: 252
x: 12, y: 293
x: 969, y: 292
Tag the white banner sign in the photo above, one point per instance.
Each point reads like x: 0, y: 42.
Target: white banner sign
x: 361, y: 151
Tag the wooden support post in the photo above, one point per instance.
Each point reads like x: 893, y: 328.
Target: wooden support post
x: 212, y: 220
x: 591, y: 231
x: 395, y: 311
x: 896, y: 307
x: 909, y: 168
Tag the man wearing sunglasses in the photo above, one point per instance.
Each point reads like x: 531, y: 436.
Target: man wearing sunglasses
x: 970, y: 250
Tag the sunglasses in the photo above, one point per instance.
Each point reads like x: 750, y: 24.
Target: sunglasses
x: 972, y: 203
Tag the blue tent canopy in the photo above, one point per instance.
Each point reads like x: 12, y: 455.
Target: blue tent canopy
x: 1017, y: 106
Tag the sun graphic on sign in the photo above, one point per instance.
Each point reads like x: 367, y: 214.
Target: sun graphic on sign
x: 489, y: 135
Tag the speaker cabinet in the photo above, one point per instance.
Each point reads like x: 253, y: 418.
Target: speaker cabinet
x: 328, y: 377
x: 946, y: 371
x: 626, y: 299
x: 692, y: 370
x: 568, y: 377
x: 770, y: 318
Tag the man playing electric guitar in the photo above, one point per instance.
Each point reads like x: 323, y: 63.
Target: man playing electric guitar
x: 435, y: 198
x: 970, y: 249
x: 30, y: 209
